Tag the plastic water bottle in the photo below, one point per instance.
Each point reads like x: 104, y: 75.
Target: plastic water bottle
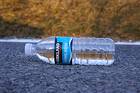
x: 73, y: 50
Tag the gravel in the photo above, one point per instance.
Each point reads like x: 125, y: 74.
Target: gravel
x: 21, y: 74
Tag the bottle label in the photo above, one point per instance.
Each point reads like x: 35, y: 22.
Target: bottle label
x: 63, y: 50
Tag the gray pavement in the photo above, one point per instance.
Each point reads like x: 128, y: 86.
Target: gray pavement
x: 19, y: 74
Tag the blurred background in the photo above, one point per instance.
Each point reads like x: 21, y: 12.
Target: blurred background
x: 118, y: 19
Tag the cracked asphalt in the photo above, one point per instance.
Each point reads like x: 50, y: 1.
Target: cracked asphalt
x: 21, y: 74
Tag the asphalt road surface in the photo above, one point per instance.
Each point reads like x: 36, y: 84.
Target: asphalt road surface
x: 19, y: 74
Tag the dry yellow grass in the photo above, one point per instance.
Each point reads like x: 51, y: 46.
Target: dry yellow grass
x: 57, y: 17
x: 72, y: 17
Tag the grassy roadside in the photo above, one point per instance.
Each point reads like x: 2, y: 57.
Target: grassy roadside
x: 41, y: 18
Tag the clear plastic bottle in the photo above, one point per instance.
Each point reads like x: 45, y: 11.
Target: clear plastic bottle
x: 73, y: 50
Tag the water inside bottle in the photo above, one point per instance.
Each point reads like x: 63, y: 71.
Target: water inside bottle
x: 94, y: 58
x: 85, y: 58
x: 47, y: 56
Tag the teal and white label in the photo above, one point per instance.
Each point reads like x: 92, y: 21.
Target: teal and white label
x: 63, y: 50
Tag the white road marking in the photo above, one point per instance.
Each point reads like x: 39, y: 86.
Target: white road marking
x: 20, y: 40
x: 37, y: 40
x: 127, y: 43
